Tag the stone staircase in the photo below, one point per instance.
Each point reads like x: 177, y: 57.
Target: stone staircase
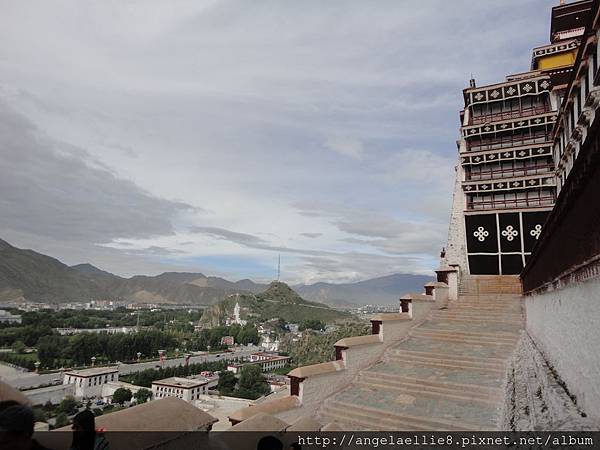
x: 448, y: 374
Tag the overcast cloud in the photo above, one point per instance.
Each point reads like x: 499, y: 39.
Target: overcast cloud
x: 214, y: 135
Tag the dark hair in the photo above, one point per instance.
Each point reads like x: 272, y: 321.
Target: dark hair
x: 16, y: 418
x: 269, y: 443
x: 84, y: 430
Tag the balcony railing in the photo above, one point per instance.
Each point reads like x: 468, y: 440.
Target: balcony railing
x: 538, y: 137
x: 494, y: 174
x: 511, y: 203
x: 507, y: 115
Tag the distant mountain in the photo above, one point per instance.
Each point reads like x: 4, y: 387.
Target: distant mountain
x: 28, y: 275
x: 32, y: 276
x: 376, y: 291
x: 277, y: 301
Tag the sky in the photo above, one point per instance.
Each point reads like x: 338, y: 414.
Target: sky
x: 215, y: 135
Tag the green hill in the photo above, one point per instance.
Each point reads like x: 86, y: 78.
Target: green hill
x: 277, y: 301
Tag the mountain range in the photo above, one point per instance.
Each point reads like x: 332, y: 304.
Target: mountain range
x: 30, y: 276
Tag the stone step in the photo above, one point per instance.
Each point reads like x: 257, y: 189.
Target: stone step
x: 482, y: 318
x: 355, y: 420
x: 478, y: 314
x: 397, y: 421
x: 445, y: 364
x: 491, y: 335
x: 416, y: 390
x: 448, y: 359
x: 453, y: 306
x: 464, y: 339
x: 437, y: 385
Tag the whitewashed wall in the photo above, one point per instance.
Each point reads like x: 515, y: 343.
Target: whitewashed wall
x: 565, y: 325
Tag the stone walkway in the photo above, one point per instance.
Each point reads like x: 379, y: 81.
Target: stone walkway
x: 448, y: 374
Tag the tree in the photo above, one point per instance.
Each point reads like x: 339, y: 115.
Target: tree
x: 61, y: 421
x: 311, y: 324
x: 68, y: 406
x: 143, y: 395
x: 227, y: 382
x: 253, y: 381
x: 121, y: 396
x: 18, y: 347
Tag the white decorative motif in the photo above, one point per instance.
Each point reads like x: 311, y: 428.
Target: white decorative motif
x: 544, y: 84
x: 479, y: 96
x: 484, y: 186
x: 481, y: 234
x: 522, y: 153
x: 516, y: 184
x: 491, y: 156
x: 473, y: 131
x: 500, y: 185
x: 510, y: 233
x: 511, y: 90
x: 504, y: 126
x: 527, y: 88
x: 477, y: 158
x: 540, y: 150
x: 507, y: 155
x: 537, y: 230
x: 487, y: 128
x: 532, y: 182
x: 538, y: 120
x: 495, y: 94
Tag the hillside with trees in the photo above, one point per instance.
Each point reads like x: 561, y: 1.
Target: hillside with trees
x: 277, y: 301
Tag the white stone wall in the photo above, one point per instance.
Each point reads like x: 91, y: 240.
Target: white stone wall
x: 394, y: 330
x: 565, y: 325
x: 314, y: 389
x: 361, y: 356
x: 456, y: 248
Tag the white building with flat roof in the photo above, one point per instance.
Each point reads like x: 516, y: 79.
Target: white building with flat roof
x: 268, y: 362
x: 188, y: 389
x: 89, y: 382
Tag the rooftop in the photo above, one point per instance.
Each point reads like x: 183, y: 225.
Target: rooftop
x: 186, y: 383
x: 317, y: 369
x: 269, y: 407
x: 92, y: 371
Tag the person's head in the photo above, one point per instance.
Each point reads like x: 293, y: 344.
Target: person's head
x: 84, y: 421
x: 84, y: 430
x: 269, y: 443
x: 16, y: 425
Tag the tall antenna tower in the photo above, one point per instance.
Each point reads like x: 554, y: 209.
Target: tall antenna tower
x: 279, y: 267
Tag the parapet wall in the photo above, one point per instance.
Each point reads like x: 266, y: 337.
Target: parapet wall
x: 564, y: 324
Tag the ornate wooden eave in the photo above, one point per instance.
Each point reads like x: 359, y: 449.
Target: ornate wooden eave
x: 508, y: 125
x: 509, y: 89
x: 517, y: 183
x: 553, y: 49
x: 521, y: 152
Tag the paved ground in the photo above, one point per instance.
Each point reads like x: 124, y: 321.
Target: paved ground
x: 8, y: 372
x: 32, y: 380
x: 447, y: 375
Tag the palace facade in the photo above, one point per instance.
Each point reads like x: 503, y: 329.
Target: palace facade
x: 507, y: 181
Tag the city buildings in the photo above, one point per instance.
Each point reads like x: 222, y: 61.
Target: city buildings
x: 268, y: 362
x: 188, y: 389
x: 7, y: 317
x: 89, y: 382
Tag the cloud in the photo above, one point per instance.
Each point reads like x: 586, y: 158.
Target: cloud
x: 346, y: 146
x: 215, y: 131
x: 50, y: 189
x: 311, y: 235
